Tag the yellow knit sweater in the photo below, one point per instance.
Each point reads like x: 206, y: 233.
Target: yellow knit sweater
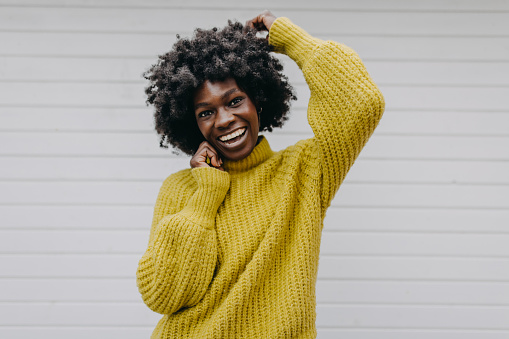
x: 234, y: 254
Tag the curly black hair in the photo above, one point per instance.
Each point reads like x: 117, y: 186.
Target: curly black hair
x: 215, y: 55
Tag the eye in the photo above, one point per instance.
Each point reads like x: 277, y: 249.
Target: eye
x: 204, y: 114
x: 236, y: 101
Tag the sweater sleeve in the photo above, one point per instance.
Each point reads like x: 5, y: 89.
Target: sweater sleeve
x: 179, y: 264
x: 345, y: 104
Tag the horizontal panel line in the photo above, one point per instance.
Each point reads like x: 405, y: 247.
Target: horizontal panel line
x: 17, y: 255
x: 338, y: 281
x: 403, y: 305
x: 424, y: 61
x: 328, y: 279
x: 40, y: 204
x: 96, y: 81
x: 346, y: 182
x: 336, y: 206
x: 183, y: 33
x: 336, y: 329
x: 319, y: 304
x: 442, y: 85
x: 77, y: 229
x: 58, y: 278
x: 147, y: 57
x: 380, y: 207
x: 323, y: 254
x: 154, y: 57
x: 420, y: 208
x: 328, y: 328
x: 373, y: 158
x: 333, y: 231
x: 243, y: 7
x: 187, y: 33
x: 30, y: 277
x: 79, y: 180
x: 416, y: 281
x: 60, y: 131
x: 295, y: 83
x: 427, y: 207
x: 73, y: 230
x: 74, y: 327
x: 410, y: 110
x: 407, y: 110
x: 141, y: 106
x: 323, y: 304
x: 112, y: 156
x: 64, y: 253
x: 413, y: 280
x: 151, y: 58
x: 378, y: 232
x: 416, y: 329
x: 172, y: 156
x: 364, y: 328
x: 100, y: 206
x: 397, y: 256
x: 70, y: 302
x: 135, y: 108
x: 444, y: 183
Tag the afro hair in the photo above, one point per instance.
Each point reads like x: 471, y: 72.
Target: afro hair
x: 215, y: 55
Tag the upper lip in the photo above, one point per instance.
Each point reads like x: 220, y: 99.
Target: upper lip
x: 230, y: 132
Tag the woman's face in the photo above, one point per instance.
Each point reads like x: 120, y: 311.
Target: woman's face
x: 227, y: 118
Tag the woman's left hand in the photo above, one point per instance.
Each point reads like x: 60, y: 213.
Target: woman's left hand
x: 262, y: 22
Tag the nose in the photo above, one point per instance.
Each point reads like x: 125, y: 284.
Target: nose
x: 224, y: 118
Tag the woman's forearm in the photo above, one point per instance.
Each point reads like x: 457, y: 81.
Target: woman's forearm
x: 179, y: 263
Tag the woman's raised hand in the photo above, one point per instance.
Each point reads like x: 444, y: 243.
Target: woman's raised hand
x: 262, y: 21
x: 206, y: 156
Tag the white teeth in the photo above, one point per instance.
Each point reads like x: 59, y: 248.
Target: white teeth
x: 232, y: 135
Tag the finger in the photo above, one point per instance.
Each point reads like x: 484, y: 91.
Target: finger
x: 249, y: 24
x: 209, y: 154
x: 257, y: 23
x: 206, y: 155
x: 199, y: 159
x: 215, y: 161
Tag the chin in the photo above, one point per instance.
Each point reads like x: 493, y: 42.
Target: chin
x: 242, y: 150
x: 239, y: 155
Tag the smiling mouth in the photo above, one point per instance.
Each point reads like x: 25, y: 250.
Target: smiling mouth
x: 233, y: 137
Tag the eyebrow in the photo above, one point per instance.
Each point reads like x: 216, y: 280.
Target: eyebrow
x: 225, y: 94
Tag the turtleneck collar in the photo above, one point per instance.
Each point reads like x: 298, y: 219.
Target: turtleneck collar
x: 260, y: 153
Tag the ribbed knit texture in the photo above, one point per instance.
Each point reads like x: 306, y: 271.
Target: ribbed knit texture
x: 234, y: 254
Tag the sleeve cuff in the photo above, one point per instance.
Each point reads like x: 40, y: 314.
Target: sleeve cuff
x: 213, y: 185
x: 211, y: 177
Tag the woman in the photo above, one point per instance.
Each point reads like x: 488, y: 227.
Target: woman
x: 234, y: 245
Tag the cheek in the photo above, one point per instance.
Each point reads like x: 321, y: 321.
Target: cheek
x: 256, y: 122
x: 202, y: 127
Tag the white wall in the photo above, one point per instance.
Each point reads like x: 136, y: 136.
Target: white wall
x: 415, y: 244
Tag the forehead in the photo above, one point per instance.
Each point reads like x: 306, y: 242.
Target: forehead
x: 214, y: 89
